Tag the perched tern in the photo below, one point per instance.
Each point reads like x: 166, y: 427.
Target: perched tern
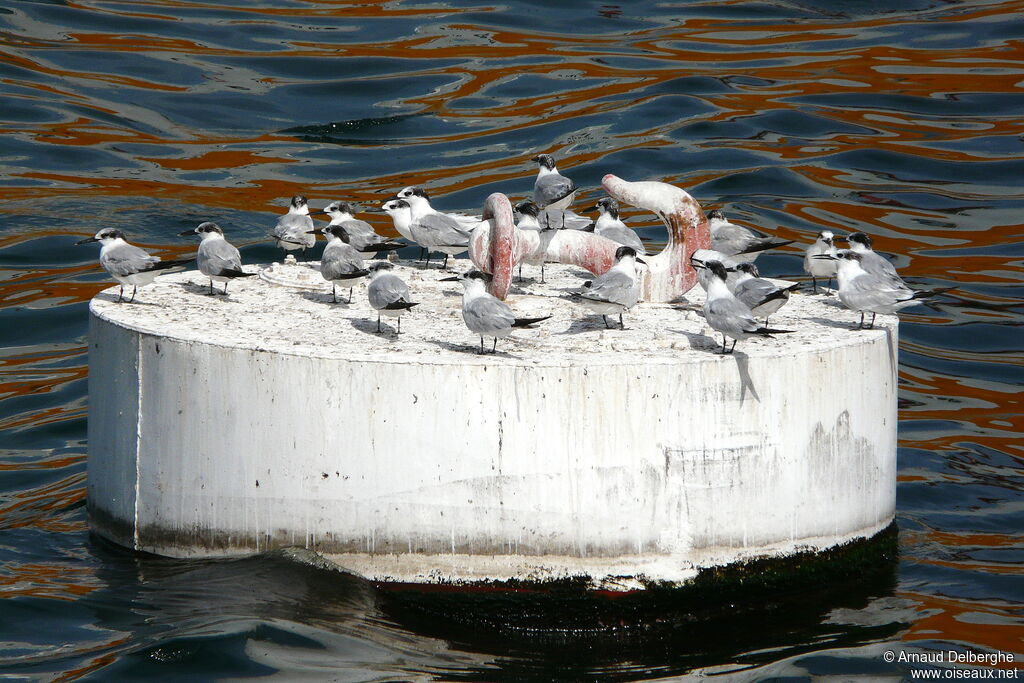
x: 217, y: 258
x: 871, y: 261
x: 617, y: 290
x: 874, y: 293
x: 361, y: 235
x: 294, y: 230
x: 610, y: 226
x: 762, y: 297
x: 821, y: 267
x: 528, y: 212
x: 340, y: 264
x: 736, y: 241
x: 551, y: 190
x: 434, y: 230
x: 128, y: 264
x: 484, y: 314
x: 727, y: 314
x: 387, y: 293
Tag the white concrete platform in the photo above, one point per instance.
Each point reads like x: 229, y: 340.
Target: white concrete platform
x: 270, y: 417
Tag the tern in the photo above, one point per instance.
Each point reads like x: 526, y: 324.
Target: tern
x: 434, y: 230
x: 294, y: 230
x: 528, y: 212
x: 388, y: 294
x: 340, y: 264
x: 128, y: 264
x: 551, y: 190
x: 617, y: 290
x: 874, y: 293
x: 821, y: 267
x: 762, y: 297
x: 872, y: 261
x: 727, y: 314
x: 610, y: 226
x: 736, y: 241
x: 217, y: 258
x: 361, y: 235
x: 485, y: 314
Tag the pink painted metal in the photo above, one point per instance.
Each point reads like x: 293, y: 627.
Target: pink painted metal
x: 497, y: 247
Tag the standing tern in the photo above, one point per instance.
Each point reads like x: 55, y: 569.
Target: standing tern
x: 485, y: 314
x: 217, y: 258
x: 727, y: 314
x: 617, y: 290
x: 736, y: 241
x: 528, y: 212
x: 294, y: 230
x: 610, y: 226
x: 866, y: 292
x: 387, y: 293
x: 340, y: 264
x: 436, y: 231
x: 551, y: 190
x: 128, y: 264
x: 821, y: 267
x: 762, y: 297
x: 361, y: 235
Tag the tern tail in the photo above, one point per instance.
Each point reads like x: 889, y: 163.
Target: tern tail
x: 771, y: 243
x: 528, y: 322
x: 400, y: 305
x: 383, y: 246
x: 925, y: 293
x: 164, y: 265
x: 235, y: 273
x: 767, y: 330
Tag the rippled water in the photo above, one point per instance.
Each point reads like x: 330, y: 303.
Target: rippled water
x: 150, y: 116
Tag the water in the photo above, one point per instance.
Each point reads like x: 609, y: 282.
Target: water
x: 796, y: 116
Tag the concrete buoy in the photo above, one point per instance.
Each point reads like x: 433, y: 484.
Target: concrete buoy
x: 270, y: 417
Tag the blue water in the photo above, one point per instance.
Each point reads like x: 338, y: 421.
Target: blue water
x: 152, y: 116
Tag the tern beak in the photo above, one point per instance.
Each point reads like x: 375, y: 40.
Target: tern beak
x: 697, y: 263
x: 184, y: 233
x: 640, y: 260
x: 317, y: 212
x: 825, y: 257
x: 87, y: 240
x: 450, y: 279
x: 374, y: 209
x: 839, y: 239
x: 318, y: 231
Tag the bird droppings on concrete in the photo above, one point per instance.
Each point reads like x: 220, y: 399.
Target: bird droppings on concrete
x: 289, y: 310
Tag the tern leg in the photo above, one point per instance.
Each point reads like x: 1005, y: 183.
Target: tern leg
x: 427, y: 265
x: 481, y: 345
x: 861, y: 323
x: 605, y: 319
x: 334, y: 292
x: 378, y: 322
x: 399, y: 325
x: 829, y: 283
x: 814, y: 285
x: 445, y: 264
x: 872, y: 325
x: 542, y: 273
x: 349, y: 296
x: 494, y: 347
x: 120, y: 294
x: 622, y: 325
x: 723, y: 343
x: 520, y: 272
x: 733, y: 346
x: 423, y: 253
x: 211, y: 286
x: 135, y: 288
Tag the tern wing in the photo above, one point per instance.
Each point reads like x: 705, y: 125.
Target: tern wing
x: 877, y: 264
x: 218, y: 255
x: 552, y: 187
x: 870, y: 291
x: 754, y: 291
x: 340, y: 261
x: 730, y: 316
x: 445, y: 230
x: 624, y: 236
x: 127, y: 259
x: 613, y: 287
x: 488, y: 316
x: 295, y: 228
x: 387, y: 289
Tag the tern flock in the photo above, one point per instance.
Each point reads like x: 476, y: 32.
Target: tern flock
x: 736, y: 293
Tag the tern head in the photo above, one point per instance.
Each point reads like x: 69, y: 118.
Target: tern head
x: 332, y: 231
x: 545, y: 160
x: 628, y: 252
x: 471, y: 278
x: 335, y: 209
x: 826, y: 236
x: 717, y: 269
x: 609, y: 206
x: 299, y: 204
x: 859, y: 239
x: 413, y: 191
x: 528, y: 208
x: 105, y: 236
x: 716, y: 215
x: 393, y: 206
x: 748, y: 268
x: 203, y: 229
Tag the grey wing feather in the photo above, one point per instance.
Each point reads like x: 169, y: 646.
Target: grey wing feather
x: 613, y: 287
x: 870, y: 291
x: 729, y: 316
x: 127, y: 259
x: 550, y: 188
x: 754, y: 291
x: 626, y: 237
x: 217, y: 256
x: 444, y: 230
x: 387, y: 289
x: 339, y: 261
x: 295, y: 228
x: 879, y: 265
x: 487, y: 316
x: 732, y: 239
